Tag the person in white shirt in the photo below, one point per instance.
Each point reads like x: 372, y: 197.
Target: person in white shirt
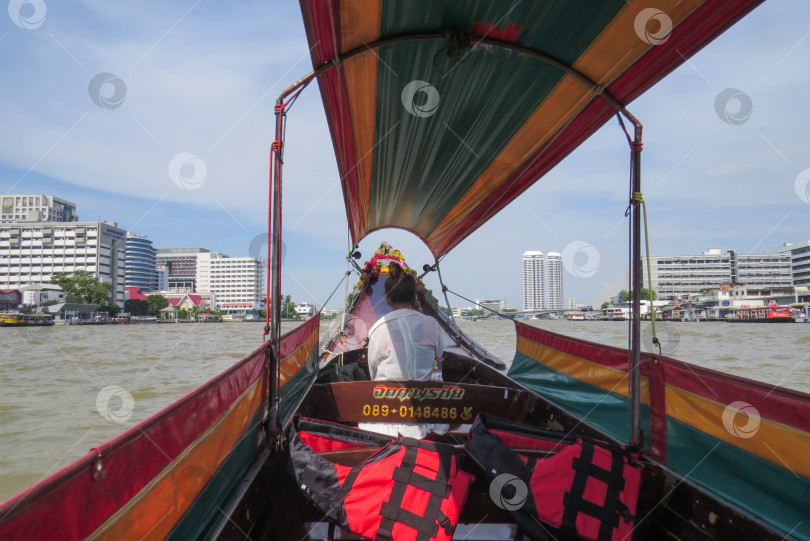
x: 404, y: 345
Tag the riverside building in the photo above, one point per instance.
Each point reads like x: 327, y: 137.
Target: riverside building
x: 16, y: 208
x: 677, y: 276
x: 799, y: 261
x: 181, y: 264
x: 490, y: 305
x: 31, y: 253
x: 141, y: 263
x: 236, y: 282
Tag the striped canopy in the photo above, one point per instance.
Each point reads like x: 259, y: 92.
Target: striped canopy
x: 442, y: 111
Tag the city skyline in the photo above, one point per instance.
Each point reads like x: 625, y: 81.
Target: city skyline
x: 175, y: 147
x: 548, y: 266
x: 41, y: 237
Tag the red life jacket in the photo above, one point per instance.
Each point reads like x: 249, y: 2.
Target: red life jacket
x: 409, y: 490
x: 581, y: 486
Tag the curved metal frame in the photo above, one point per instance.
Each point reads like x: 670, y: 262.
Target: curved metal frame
x: 634, y: 362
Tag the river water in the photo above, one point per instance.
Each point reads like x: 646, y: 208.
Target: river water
x: 53, y: 379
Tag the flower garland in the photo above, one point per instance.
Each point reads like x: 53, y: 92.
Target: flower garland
x: 384, y: 256
x: 378, y: 264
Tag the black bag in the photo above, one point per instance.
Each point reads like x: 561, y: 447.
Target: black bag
x: 340, y: 373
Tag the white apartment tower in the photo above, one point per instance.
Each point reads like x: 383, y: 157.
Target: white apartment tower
x: 554, y: 281
x: 233, y: 280
x: 533, y: 281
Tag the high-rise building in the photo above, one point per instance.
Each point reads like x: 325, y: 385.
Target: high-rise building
x: 534, y: 270
x: 36, y: 208
x: 31, y: 253
x: 235, y: 281
x: 554, y: 281
x: 542, y: 281
x: 141, y: 263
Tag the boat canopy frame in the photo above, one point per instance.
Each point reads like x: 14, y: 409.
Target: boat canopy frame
x: 466, y: 39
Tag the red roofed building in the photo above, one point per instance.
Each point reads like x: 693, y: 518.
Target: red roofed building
x: 10, y: 299
x: 134, y: 294
x: 178, y: 300
x: 187, y: 301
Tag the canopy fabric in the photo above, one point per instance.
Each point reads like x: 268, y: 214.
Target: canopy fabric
x: 437, y: 134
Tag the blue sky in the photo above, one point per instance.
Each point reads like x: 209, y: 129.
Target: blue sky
x: 102, y: 103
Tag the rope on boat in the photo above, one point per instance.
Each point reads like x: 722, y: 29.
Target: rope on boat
x: 348, y: 272
x: 445, y: 289
x: 638, y: 198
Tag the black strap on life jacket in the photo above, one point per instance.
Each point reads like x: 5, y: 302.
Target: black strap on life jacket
x: 333, y: 513
x: 575, y: 502
x: 404, y: 475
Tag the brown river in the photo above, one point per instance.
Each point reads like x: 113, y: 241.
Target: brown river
x: 66, y: 389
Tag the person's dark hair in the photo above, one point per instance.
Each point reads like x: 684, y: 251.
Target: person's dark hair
x: 400, y: 286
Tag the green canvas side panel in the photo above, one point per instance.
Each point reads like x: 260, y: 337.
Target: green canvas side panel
x: 754, y: 485
x: 206, y: 505
x: 293, y: 391
x: 604, y: 410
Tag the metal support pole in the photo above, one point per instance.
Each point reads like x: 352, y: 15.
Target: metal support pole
x: 634, y: 373
x: 275, y: 271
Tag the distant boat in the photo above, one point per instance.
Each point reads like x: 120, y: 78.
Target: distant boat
x: 12, y: 319
x: 761, y: 314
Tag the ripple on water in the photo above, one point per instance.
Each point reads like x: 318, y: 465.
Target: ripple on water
x: 725, y: 358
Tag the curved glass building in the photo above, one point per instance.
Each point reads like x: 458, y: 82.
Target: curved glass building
x: 141, y: 263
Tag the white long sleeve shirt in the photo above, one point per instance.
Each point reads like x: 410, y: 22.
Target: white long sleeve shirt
x: 403, y: 345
